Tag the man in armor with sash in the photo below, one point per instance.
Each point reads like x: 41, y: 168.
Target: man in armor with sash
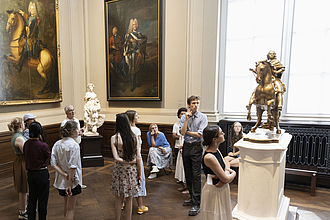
x: 134, y: 51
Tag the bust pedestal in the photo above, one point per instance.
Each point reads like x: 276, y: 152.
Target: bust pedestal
x: 91, y: 151
x: 261, y: 180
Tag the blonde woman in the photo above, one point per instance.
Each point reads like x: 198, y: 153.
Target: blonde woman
x: 16, y: 126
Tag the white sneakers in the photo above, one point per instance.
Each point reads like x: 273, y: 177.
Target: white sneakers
x: 152, y: 176
x: 154, y: 169
x: 153, y: 172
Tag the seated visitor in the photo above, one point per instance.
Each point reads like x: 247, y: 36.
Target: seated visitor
x: 215, y: 200
x: 236, y: 134
x: 160, y: 152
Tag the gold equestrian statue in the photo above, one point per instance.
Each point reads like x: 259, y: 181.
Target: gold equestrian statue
x: 268, y: 95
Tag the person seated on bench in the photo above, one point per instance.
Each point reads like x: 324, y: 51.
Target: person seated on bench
x: 236, y: 134
x: 160, y: 152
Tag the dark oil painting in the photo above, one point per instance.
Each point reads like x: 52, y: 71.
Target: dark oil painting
x: 29, y: 52
x: 134, y: 48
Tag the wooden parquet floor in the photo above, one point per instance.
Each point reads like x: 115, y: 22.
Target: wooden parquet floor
x: 164, y: 201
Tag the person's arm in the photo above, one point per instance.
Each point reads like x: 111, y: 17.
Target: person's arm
x: 138, y: 162
x: 212, y: 162
x: 60, y: 171
x: 183, y: 129
x: 19, y: 142
x: 71, y: 178
x: 115, y: 153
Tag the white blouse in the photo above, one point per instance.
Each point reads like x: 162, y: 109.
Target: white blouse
x: 137, y: 133
x: 66, y: 154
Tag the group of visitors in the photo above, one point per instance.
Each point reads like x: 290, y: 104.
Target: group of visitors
x: 32, y: 158
x: 191, y: 134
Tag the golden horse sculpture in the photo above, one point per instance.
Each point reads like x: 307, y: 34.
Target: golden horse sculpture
x: 268, y: 95
x: 45, y: 64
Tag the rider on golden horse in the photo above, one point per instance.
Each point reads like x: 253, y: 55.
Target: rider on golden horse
x: 29, y: 47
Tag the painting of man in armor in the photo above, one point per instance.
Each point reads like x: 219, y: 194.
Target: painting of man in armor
x: 134, y: 58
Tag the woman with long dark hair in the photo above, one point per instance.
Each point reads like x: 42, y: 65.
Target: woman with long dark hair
x: 133, y: 118
x: 126, y: 176
x: 67, y: 163
x: 37, y: 155
x: 215, y: 200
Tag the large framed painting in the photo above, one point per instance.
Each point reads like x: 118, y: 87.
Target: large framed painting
x: 134, y: 49
x: 29, y: 52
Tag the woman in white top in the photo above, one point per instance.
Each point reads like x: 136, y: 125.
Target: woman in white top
x: 66, y: 161
x: 179, y: 170
x: 134, y: 118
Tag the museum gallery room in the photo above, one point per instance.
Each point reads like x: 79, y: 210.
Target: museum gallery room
x: 262, y: 63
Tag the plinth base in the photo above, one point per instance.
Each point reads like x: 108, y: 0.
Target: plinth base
x: 91, y: 155
x: 281, y: 215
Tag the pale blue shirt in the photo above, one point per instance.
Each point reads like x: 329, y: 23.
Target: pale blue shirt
x: 196, y: 123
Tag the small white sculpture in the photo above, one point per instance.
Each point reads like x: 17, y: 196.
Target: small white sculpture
x: 92, y: 107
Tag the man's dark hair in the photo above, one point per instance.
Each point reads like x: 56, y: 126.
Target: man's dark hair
x: 36, y: 131
x: 192, y: 98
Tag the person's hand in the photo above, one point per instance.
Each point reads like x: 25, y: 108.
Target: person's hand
x: 230, y: 154
x: 163, y: 150
x: 133, y: 161
x: 219, y: 184
x: 68, y: 191
x: 180, y: 150
x: 188, y: 114
x: 21, y: 12
x: 140, y: 180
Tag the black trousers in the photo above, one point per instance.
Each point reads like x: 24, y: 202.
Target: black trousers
x: 38, y: 191
x: 192, y: 162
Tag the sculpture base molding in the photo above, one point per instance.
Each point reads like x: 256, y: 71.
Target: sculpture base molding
x: 281, y: 215
x: 91, y: 155
x: 261, y: 180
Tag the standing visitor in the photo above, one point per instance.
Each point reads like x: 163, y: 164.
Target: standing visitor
x: 133, y: 118
x: 126, y: 176
x: 191, y: 126
x: 67, y: 164
x: 16, y: 126
x: 37, y: 155
x: 216, y: 203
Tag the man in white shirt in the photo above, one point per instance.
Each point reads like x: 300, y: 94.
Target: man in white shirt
x: 70, y: 113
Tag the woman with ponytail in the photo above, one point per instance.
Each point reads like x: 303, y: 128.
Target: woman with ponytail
x: 126, y: 176
x: 66, y: 161
x: 215, y: 200
x: 16, y: 126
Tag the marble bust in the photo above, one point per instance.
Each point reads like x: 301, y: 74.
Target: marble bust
x: 92, y: 108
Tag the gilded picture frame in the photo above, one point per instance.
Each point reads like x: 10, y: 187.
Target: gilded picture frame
x: 133, y: 30
x: 30, y: 70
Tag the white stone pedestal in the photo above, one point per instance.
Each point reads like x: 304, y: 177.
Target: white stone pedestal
x: 261, y: 180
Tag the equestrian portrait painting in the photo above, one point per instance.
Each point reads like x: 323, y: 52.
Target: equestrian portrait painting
x: 29, y: 52
x: 133, y: 31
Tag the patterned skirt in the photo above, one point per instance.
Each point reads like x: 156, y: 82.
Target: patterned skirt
x: 124, y: 180
x: 20, y: 175
x: 157, y: 157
